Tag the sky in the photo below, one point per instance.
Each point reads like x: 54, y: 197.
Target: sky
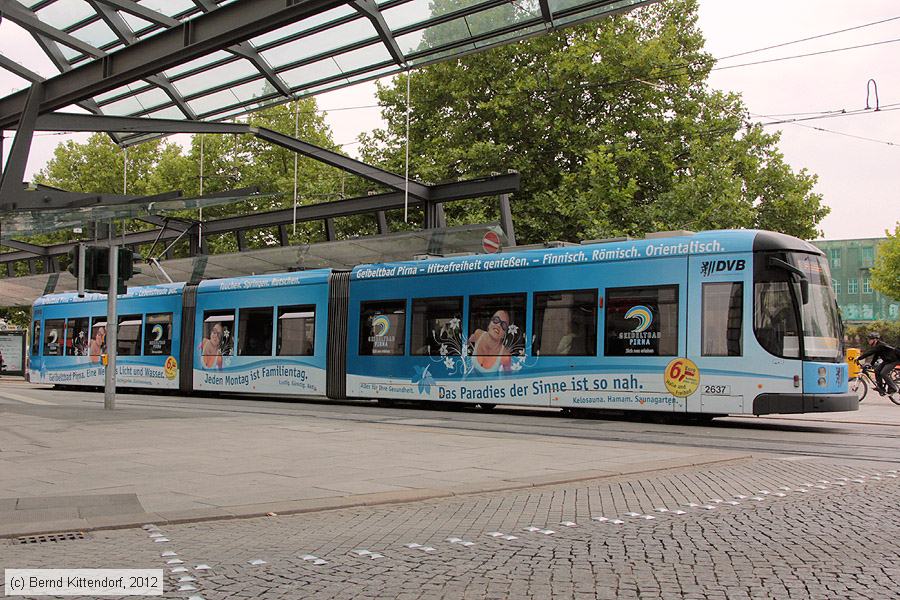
x: 858, y: 178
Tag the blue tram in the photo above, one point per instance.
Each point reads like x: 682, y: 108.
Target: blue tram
x: 718, y: 322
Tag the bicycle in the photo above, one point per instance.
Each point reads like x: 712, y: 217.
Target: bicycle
x: 866, y: 378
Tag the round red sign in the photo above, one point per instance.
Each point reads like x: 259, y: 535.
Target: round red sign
x: 491, y: 242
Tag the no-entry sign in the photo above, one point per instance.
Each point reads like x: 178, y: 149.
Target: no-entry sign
x: 491, y: 242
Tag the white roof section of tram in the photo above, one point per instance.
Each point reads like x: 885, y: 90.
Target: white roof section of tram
x: 336, y: 48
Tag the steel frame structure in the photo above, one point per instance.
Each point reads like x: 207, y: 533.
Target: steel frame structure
x: 149, y: 51
x: 377, y: 205
x: 429, y: 197
x: 143, y: 53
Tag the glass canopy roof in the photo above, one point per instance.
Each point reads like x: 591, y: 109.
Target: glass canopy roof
x: 343, y: 254
x: 30, y: 222
x: 358, y: 41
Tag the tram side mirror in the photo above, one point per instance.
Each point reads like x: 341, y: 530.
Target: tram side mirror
x: 804, y: 289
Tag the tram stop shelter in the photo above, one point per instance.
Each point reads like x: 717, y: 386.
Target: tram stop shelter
x: 140, y: 69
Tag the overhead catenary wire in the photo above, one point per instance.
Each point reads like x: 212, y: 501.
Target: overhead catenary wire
x: 810, y: 38
x: 825, y: 130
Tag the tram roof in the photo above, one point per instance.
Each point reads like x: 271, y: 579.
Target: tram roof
x: 655, y: 246
x: 252, y: 282
x: 146, y: 291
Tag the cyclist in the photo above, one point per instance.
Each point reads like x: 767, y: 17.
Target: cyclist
x: 889, y: 357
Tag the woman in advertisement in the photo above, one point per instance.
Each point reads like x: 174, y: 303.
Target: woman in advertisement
x: 98, y: 343
x: 488, y: 346
x: 211, y: 347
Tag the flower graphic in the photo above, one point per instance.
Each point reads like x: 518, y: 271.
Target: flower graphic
x: 424, y: 379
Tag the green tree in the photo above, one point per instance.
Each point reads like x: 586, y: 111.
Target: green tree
x: 612, y: 125
x: 98, y: 165
x: 886, y: 272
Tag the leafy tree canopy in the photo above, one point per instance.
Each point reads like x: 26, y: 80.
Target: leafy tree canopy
x: 612, y: 125
x: 886, y: 272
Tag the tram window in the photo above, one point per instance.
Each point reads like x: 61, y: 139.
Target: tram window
x: 78, y: 336
x: 723, y: 318
x: 496, y: 329
x: 97, y: 345
x: 642, y: 321
x: 54, y: 336
x: 565, y: 323
x: 128, y: 338
x: 436, y: 327
x: 382, y: 328
x: 218, y: 337
x: 296, y: 331
x: 255, y: 331
x: 36, y: 338
x: 158, y: 334
x: 775, y: 318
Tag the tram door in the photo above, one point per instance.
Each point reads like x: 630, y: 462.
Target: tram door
x: 719, y: 311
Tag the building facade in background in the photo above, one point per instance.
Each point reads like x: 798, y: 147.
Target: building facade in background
x: 851, y: 262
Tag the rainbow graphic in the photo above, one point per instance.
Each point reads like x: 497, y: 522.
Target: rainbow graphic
x: 157, y: 332
x: 381, y: 326
x: 644, y: 316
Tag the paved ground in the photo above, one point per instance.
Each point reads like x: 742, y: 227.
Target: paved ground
x: 800, y: 508
x: 830, y: 541
x: 67, y: 464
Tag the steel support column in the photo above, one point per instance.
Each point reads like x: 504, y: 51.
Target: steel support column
x: 506, y: 222
x: 14, y: 174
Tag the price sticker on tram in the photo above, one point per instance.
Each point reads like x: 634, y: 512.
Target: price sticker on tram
x: 682, y: 377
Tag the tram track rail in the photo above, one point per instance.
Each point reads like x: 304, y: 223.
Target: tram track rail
x: 551, y: 424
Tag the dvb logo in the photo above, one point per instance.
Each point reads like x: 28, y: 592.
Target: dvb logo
x: 708, y: 267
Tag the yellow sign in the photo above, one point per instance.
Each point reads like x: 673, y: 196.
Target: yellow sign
x: 682, y: 377
x: 850, y: 357
x: 171, y: 368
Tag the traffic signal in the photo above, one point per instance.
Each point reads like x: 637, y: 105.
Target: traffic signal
x: 126, y: 264
x: 91, y: 254
x: 96, y: 268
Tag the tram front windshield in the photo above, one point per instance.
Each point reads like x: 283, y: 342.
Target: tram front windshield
x: 779, y: 309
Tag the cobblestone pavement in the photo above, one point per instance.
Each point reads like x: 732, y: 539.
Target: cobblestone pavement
x: 794, y: 529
